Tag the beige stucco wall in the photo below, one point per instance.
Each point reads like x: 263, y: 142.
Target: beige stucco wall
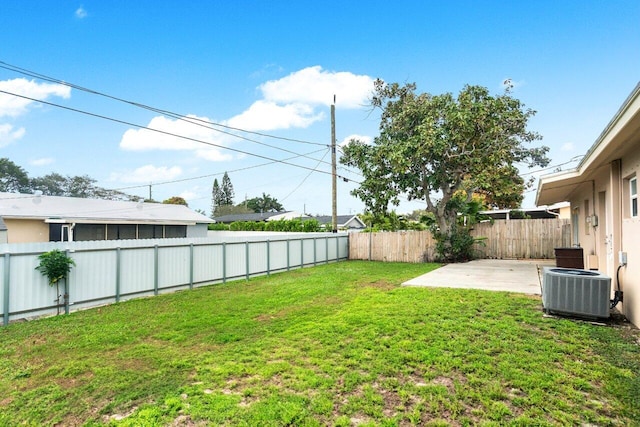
x: 605, y: 228
x: 25, y: 231
x: 630, y: 275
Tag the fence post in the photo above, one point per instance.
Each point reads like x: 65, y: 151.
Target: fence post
x: 191, y: 266
x: 118, y: 274
x: 268, y: 259
x: 337, y: 248
x: 246, y: 256
x: 67, y: 289
x: 155, y: 269
x: 6, y: 283
x: 224, y: 262
x: 315, y: 252
x: 326, y: 249
x: 302, y: 252
x: 288, y: 256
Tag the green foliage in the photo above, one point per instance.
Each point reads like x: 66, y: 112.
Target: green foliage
x: 389, y: 221
x: 175, y: 200
x: 431, y: 147
x: 226, y: 191
x: 287, y: 225
x: 265, y: 203
x: 55, y: 265
x: 218, y: 227
x: 216, y: 193
x: 457, y: 246
x: 518, y: 214
x: 13, y: 179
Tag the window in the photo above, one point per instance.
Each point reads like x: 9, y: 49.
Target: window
x: 83, y: 232
x: 633, y: 196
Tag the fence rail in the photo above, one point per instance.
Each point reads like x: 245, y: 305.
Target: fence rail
x: 513, y: 239
x: 113, y: 271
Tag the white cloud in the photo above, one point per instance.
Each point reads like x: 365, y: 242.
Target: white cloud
x: 289, y: 102
x: 145, y: 139
x: 147, y: 173
x: 42, y: 162
x: 366, y: 139
x: 267, y: 115
x: 13, y: 106
x: 315, y: 86
x: 189, y: 195
x: 567, y: 146
x: 8, y: 134
x: 81, y: 13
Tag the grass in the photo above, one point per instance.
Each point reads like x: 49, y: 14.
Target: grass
x: 341, y: 344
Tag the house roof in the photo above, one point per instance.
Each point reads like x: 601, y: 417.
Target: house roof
x: 552, y: 211
x: 342, y: 219
x: 79, y: 210
x: 613, y: 143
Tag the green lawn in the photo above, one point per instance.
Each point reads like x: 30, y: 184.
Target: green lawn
x: 340, y: 344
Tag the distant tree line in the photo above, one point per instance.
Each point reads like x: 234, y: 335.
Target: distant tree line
x: 222, y: 195
x: 14, y: 179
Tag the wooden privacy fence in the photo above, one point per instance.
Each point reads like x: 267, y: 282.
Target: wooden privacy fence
x: 111, y: 271
x: 503, y: 239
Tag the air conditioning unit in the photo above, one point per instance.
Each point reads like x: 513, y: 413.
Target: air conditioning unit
x: 576, y: 292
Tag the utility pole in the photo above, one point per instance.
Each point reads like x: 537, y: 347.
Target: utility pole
x: 334, y: 188
x: 150, y: 198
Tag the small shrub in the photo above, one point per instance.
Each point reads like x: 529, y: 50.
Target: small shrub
x: 55, y: 265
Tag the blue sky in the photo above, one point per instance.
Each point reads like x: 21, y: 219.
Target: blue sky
x: 273, y: 67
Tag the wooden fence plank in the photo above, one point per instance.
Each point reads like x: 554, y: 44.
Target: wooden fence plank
x: 503, y: 239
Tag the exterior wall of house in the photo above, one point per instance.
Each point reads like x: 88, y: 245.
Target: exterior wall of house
x: 630, y: 275
x: 602, y: 222
x: 26, y: 231
x: 198, y: 230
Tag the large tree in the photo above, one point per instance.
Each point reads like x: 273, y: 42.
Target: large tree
x: 226, y: 191
x: 216, y: 196
x: 13, y: 179
x: 265, y: 203
x: 435, y: 147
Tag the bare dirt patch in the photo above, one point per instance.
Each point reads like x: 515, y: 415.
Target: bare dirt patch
x: 382, y: 285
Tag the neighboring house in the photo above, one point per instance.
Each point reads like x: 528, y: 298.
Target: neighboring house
x: 603, y: 192
x: 345, y: 222
x: 258, y: 217
x: 558, y: 210
x: 32, y: 218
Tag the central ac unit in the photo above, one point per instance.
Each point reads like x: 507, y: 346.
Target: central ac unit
x: 576, y: 292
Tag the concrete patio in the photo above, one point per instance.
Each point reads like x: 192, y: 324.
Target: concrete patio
x: 522, y: 276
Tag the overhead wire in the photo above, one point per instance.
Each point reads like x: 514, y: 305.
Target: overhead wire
x: 212, y: 174
x: 88, y: 113
x: 305, y: 178
x: 34, y: 74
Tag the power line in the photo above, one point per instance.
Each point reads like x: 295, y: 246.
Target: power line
x: 573, y: 159
x: 305, y: 178
x: 34, y: 74
x: 211, y: 175
x: 164, y: 132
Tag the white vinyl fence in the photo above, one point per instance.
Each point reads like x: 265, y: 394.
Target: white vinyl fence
x: 117, y: 270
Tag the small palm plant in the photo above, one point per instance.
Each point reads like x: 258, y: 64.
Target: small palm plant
x: 55, y: 265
